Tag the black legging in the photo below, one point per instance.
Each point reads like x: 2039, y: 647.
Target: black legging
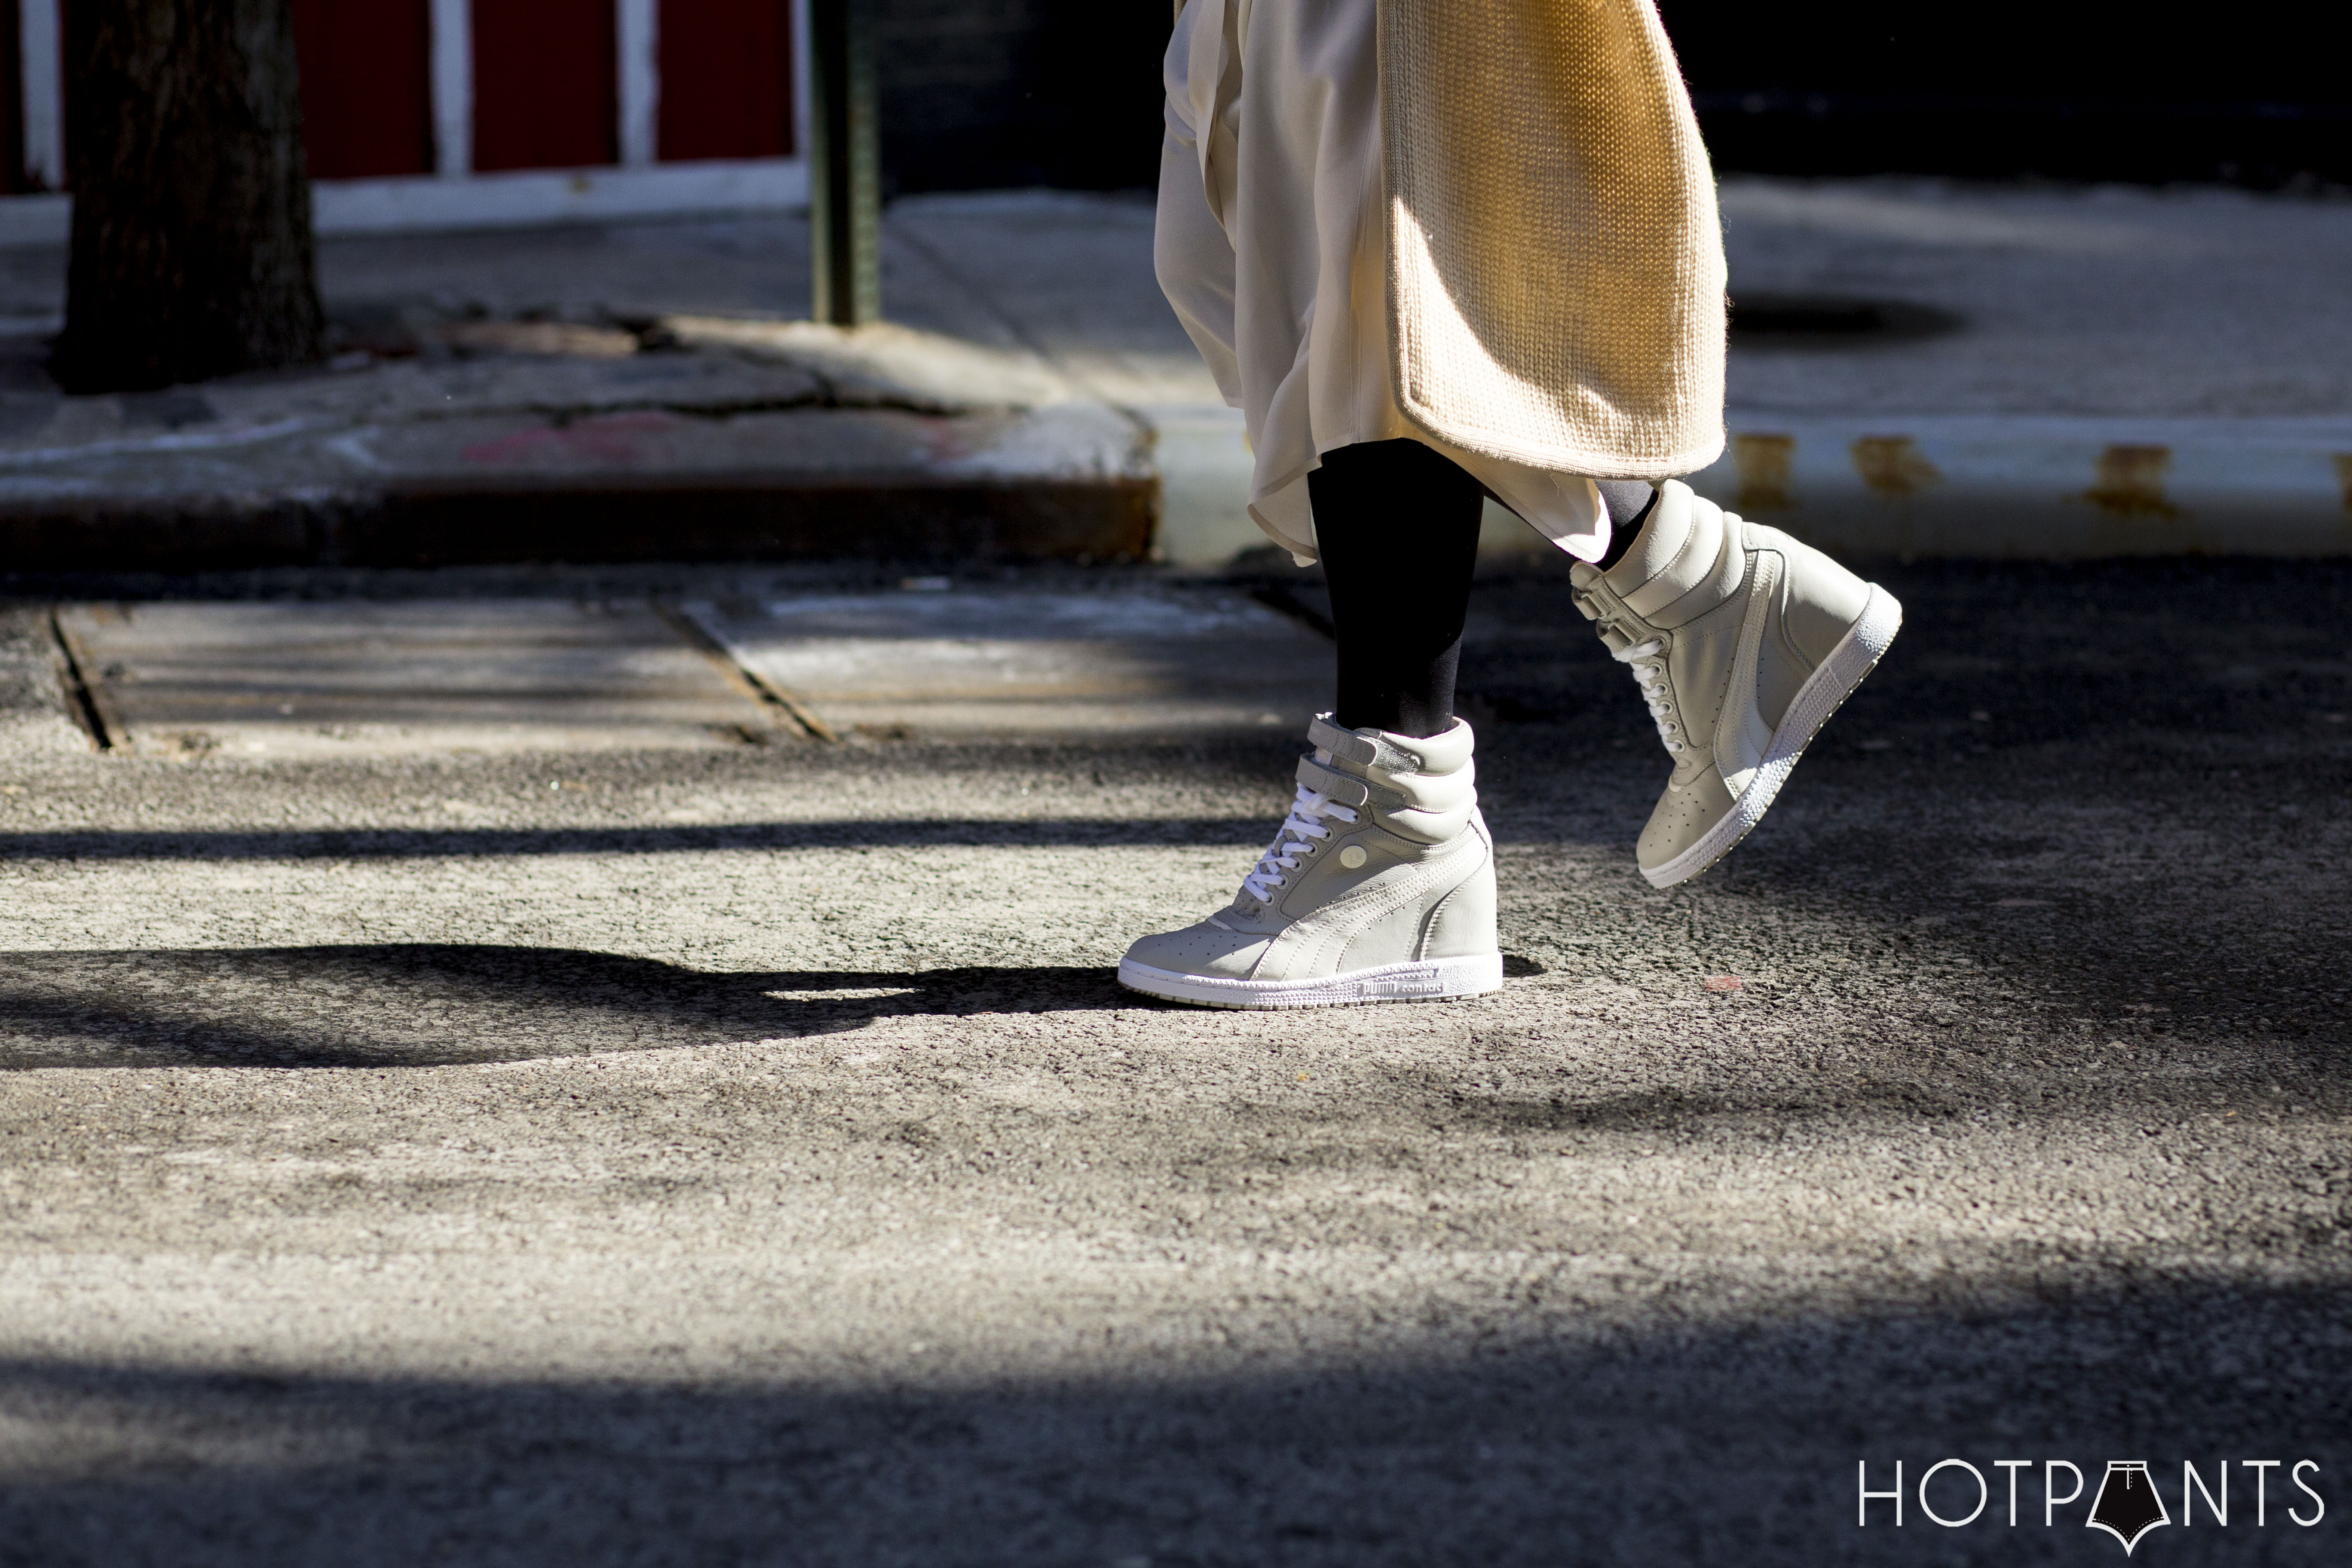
x: 1397, y: 525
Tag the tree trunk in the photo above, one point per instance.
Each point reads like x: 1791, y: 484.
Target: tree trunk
x: 192, y: 251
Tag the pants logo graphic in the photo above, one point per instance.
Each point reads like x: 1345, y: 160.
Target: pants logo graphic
x: 1956, y: 1494
x: 2127, y: 1507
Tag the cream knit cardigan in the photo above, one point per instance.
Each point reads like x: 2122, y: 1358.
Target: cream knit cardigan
x: 1555, y: 266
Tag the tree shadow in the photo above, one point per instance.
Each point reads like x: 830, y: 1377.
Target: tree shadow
x: 428, y: 1005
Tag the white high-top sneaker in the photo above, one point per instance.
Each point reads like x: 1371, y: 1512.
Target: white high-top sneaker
x: 1744, y: 642
x: 1380, y: 888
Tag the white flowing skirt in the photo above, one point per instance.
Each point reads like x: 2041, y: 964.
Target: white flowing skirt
x: 1271, y: 245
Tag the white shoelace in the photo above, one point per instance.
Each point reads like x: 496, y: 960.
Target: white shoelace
x: 1300, y: 832
x: 1648, y: 662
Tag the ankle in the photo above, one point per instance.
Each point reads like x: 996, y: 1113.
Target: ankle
x: 1630, y: 504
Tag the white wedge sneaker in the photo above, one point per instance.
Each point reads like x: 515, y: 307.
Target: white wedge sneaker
x: 1744, y: 641
x: 1378, y: 888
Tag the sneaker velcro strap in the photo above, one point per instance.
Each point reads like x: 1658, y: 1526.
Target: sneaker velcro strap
x: 1697, y: 562
x: 1342, y: 787
x: 1345, y: 744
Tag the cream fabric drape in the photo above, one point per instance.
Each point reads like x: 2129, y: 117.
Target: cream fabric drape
x: 1556, y: 276
x: 1274, y: 247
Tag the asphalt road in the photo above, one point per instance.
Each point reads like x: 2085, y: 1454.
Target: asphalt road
x: 745, y: 1156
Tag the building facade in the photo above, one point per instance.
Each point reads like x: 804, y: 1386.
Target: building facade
x: 434, y: 112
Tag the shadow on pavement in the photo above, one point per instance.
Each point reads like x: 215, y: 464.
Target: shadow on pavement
x: 1696, y: 1444
x: 427, y: 1004
x: 430, y: 1004
x: 431, y: 843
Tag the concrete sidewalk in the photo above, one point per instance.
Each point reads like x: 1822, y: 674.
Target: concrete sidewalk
x: 548, y: 394
x: 1919, y: 368
x: 731, y: 661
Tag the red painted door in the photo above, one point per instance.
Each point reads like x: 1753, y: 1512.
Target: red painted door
x: 367, y: 91
x: 14, y: 176
x: 546, y: 92
x: 726, y: 78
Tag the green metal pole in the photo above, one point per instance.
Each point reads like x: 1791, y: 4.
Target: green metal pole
x: 845, y: 165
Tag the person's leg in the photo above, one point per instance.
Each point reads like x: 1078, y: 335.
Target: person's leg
x: 1380, y: 885
x: 1630, y: 503
x: 1397, y: 525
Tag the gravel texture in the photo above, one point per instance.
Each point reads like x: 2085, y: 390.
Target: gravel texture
x: 747, y: 1156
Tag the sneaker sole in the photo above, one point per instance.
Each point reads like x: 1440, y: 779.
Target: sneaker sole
x: 1427, y: 980
x: 1855, y: 655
